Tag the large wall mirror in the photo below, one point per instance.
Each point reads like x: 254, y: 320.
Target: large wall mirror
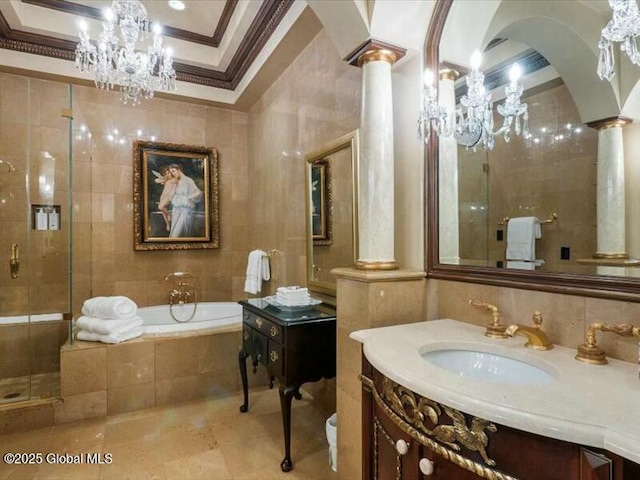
x: 332, y: 212
x: 557, y: 173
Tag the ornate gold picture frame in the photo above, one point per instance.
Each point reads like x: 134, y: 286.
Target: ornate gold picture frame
x: 175, y: 196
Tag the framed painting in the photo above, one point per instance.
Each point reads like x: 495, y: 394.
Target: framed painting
x: 175, y: 196
x: 321, y: 202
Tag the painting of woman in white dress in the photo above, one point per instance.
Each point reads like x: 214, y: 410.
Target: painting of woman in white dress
x: 175, y: 196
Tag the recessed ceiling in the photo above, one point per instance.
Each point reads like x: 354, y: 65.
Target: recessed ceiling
x: 216, y: 43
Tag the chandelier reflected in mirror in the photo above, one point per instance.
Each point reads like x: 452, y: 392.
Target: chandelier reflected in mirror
x: 623, y: 27
x: 114, y: 61
x: 472, y: 122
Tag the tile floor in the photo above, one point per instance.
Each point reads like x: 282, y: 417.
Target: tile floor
x: 203, y: 439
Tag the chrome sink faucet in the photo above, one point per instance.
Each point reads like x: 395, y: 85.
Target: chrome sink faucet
x: 536, y: 338
x: 182, y: 292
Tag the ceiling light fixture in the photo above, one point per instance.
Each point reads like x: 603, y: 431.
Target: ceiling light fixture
x: 623, y: 27
x: 137, y: 73
x: 176, y: 5
x: 472, y: 122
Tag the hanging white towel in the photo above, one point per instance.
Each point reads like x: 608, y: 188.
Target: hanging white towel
x: 257, y: 271
x: 522, y: 233
x: 109, y: 307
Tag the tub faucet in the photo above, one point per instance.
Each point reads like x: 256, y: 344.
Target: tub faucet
x: 536, y: 338
x: 182, y: 292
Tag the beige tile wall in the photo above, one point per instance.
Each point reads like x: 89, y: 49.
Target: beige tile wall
x: 565, y: 317
x: 315, y: 101
x: 105, y: 262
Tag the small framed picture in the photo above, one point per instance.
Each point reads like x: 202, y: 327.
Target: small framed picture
x: 321, y: 202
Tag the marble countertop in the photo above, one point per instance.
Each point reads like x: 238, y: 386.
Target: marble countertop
x: 593, y: 405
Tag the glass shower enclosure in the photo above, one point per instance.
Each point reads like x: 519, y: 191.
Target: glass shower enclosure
x: 35, y: 235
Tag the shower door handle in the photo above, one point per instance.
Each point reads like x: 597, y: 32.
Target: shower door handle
x: 14, y: 261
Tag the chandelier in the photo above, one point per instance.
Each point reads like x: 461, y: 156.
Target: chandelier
x: 137, y: 73
x: 623, y: 27
x: 472, y: 122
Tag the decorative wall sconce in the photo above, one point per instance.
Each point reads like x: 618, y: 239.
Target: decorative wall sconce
x: 623, y: 27
x: 472, y: 123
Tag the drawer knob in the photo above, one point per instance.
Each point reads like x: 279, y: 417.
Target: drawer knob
x: 402, y: 447
x: 245, y: 334
x: 426, y: 466
x: 274, y: 331
x: 274, y: 356
x: 259, y: 322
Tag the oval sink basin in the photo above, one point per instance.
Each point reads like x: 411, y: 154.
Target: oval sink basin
x: 488, y: 367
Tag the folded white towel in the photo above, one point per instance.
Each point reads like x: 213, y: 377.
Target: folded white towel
x: 111, y: 338
x: 292, y: 290
x: 522, y: 233
x: 107, y: 327
x: 109, y: 307
x: 257, y: 271
x: 521, y: 264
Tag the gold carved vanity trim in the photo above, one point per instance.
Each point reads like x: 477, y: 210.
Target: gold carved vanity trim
x: 410, y: 415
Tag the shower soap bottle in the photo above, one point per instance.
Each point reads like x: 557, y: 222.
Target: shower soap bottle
x: 54, y: 219
x: 41, y: 219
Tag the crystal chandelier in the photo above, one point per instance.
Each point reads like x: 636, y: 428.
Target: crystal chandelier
x: 472, y: 123
x: 623, y: 27
x: 137, y: 73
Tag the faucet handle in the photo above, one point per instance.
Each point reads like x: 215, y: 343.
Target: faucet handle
x: 589, y: 352
x: 537, y: 319
x: 494, y: 329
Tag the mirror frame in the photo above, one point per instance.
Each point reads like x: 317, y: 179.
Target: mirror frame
x: 616, y: 288
x: 349, y: 140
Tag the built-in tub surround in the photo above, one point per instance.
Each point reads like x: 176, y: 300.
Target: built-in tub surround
x: 586, y: 404
x: 155, y: 369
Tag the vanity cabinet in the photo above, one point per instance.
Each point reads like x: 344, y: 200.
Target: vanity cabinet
x: 409, y: 437
x: 295, y: 347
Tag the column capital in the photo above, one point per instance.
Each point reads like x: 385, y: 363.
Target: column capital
x: 372, y: 50
x: 609, y: 123
x: 449, y: 74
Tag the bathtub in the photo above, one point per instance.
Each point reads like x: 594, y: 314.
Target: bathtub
x: 158, y: 320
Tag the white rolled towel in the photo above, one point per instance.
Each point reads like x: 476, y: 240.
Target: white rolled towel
x: 111, y: 338
x: 108, y: 327
x: 109, y: 307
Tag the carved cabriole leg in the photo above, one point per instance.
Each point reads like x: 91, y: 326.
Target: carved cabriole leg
x: 286, y: 395
x: 242, y: 361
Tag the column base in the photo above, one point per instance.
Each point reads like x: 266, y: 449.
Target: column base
x: 610, y: 256
x: 366, y: 265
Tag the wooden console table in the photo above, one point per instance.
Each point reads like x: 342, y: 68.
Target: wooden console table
x: 295, y: 347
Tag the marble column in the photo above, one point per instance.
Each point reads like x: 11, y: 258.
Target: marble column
x: 611, y: 234
x: 376, y: 176
x: 448, y: 218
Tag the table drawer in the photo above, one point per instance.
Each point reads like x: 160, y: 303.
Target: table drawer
x: 259, y: 348
x: 276, y: 358
x: 263, y: 325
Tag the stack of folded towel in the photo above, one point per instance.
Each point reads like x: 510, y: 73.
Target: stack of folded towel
x: 109, y: 320
x: 293, y: 296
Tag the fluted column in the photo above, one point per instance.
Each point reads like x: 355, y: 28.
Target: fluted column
x: 448, y: 218
x: 376, y: 176
x: 611, y: 241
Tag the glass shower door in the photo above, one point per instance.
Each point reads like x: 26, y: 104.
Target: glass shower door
x: 34, y: 235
